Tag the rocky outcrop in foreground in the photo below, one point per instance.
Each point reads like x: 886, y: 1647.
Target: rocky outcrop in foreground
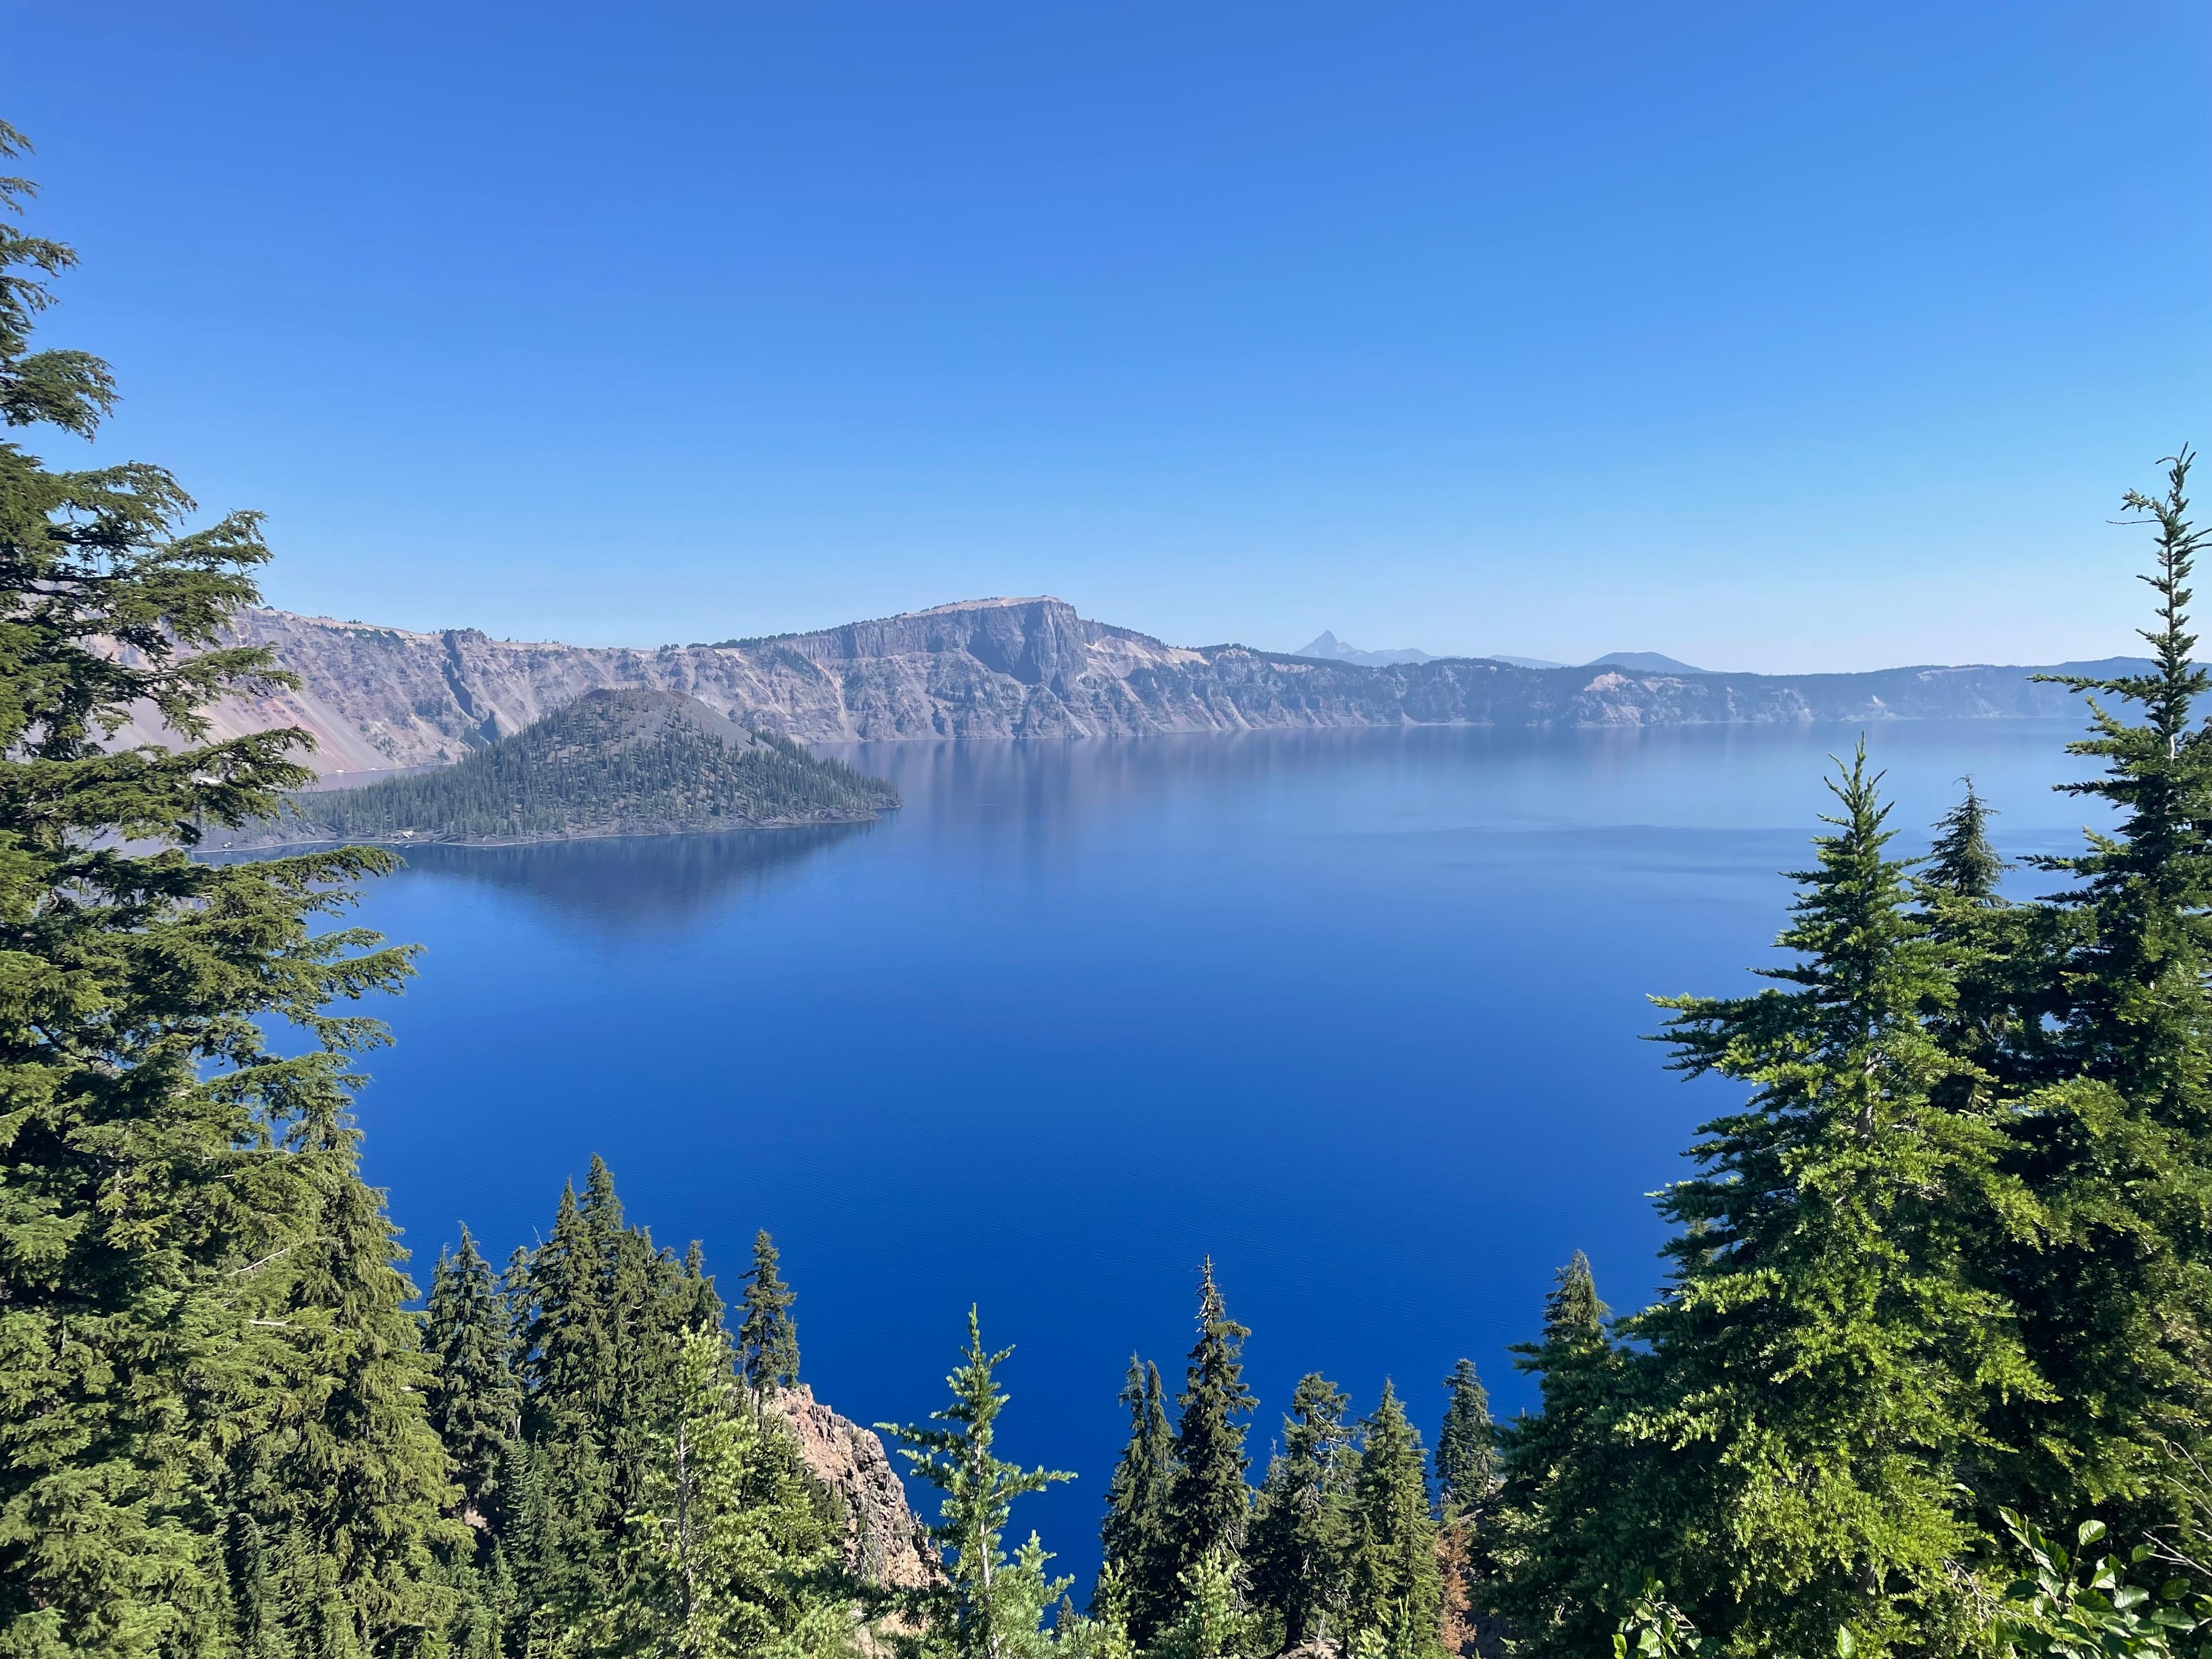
x: 381, y: 698
x: 885, y: 1543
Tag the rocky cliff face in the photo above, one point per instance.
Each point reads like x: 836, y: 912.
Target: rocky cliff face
x: 885, y: 1543
x: 379, y: 698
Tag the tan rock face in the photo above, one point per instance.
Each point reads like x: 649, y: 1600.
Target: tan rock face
x: 380, y: 698
x: 884, y: 1543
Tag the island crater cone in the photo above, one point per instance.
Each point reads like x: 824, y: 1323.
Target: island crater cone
x: 629, y: 760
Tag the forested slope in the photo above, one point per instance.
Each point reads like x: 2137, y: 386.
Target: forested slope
x: 611, y: 763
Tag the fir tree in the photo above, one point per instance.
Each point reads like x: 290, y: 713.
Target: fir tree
x: 1301, y: 1523
x: 2116, y: 1297
x: 985, y: 1605
x: 475, y: 1404
x: 1134, y: 1538
x: 1207, y: 1498
x: 567, y: 1365
x: 1825, y: 1357
x: 1466, y: 1444
x: 1395, y: 1586
x: 1563, y: 1480
x: 184, y: 1234
x: 768, y: 1339
x: 732, y: 1555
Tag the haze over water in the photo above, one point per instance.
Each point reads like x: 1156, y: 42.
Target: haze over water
x: 1356, y: 1012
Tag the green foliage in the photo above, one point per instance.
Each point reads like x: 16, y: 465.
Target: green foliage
x: 985, y: 1606
x: 1208, y: 1499
x: 612, y: 762
x: 2083, y: 1607
x: 1212, y: 1621
x: 1137, y: 1551
x: 1466, y: 1444
x: 1301, y: 1529
x: 1395, y: 1589
x: 768, y: 1339
x: 2114, y: 1138
x: 1825, y: 1356
x: 1655, y: 1628
x: 475, y: 1404
x: 602, y: 1315
x: 1564, y: 1499
x: 212, y: 1439
x: 730, y: 1557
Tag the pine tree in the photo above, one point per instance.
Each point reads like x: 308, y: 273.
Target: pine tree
x: 475, y: 1404
x: 182, y: 1226
x: 1395, y: 1588
x: 1466, y: 1444
x: 1301, y: 1523
x: 1208, y: 1501
x: 1825, y: 1357
x: 2116, y: 1297
x: 1134, y: 1538
x: 768, y: 1339
x: 732, y: 1555
x: 985, y: 1605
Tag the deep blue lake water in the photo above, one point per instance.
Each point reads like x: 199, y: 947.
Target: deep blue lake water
x: 1358, y: 1013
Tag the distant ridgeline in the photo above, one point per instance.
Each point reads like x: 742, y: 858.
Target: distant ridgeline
x: 613, y: 763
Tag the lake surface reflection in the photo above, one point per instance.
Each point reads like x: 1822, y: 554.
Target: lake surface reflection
x: 1356, y: 1012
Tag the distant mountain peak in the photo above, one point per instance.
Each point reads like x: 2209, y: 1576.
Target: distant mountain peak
x: 1644, y: 662
x: 1330, y: 648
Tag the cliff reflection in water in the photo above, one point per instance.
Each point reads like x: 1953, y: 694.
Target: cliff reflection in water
x: 640, y: 883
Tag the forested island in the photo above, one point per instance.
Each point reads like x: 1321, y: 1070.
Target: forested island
x: 613, y: 763
x: 1941, y: 1286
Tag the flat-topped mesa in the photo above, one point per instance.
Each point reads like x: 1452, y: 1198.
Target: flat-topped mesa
x: 1033, y: 640
x: 380, y: 698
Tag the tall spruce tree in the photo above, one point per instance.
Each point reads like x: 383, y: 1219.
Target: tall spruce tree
x: 1138, y: 1567
x: 475, y: 1403
x: 1208, y: 1501
x: 1826, y: 1356
x: 200, y: 1306
x: 1396, y: 1585
x: 566, y: 1363
x: 1466, y: 1444
x: 1301, y: 1525
x: 1564, y: 1485
x: 986, y: 1605
x: 604, y: 1318
x: 2116, y: 1293
x: 768, y: 1337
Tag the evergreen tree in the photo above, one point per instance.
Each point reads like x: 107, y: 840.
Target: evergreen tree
x: 733, y: 1557
x: 1301, y: 1523
x: 2116, y: 1294
x: 1207, y: 1498
x: 567, y: 1365
x: 604, y: 1315
x: 768, y: 1339
x: 1466, y: 1444
x: 1825, y: 1357
x: 1396, y: 1585
x: 1134, y: 1539
x: 1564, y: 1484
x: 200, y: 1308
x: 475, y: 1404
x: 985, y: 1605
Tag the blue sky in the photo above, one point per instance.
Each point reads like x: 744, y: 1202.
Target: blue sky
x: 1775, y: 337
